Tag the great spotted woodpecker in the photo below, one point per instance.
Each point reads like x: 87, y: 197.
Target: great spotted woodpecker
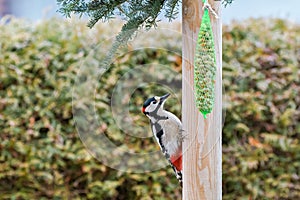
x: 167, y: 129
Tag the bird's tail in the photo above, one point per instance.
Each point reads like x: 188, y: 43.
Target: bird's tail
x: 176, y: 163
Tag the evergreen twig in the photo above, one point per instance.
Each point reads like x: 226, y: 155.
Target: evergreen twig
x: 137, y: 14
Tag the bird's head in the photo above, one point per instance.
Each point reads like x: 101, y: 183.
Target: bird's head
x: 154, y: 104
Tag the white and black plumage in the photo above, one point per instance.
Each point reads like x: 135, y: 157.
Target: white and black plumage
x: 167, y: 129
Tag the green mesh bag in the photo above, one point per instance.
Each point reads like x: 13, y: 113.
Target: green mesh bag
x: 205, y: 67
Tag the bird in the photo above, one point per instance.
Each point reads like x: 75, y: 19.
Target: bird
x: 167, y: 130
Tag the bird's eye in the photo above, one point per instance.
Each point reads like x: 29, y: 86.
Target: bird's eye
x: 154, y: 102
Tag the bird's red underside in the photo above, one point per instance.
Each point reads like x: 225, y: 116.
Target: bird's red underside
x: 177, y: 162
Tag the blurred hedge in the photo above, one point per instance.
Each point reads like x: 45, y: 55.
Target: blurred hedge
x: 261, y: 71
x: 42, y: 156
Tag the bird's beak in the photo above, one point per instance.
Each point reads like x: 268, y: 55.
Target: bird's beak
x: 164, y: 97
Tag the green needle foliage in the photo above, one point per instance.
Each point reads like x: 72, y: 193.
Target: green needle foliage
x: 227, y: 2
x: 137, y: 14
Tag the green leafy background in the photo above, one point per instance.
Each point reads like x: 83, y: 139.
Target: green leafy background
x: 42, y: 156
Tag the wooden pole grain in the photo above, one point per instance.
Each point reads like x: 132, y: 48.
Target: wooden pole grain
x: 202, y: 156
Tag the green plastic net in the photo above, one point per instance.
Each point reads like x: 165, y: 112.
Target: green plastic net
x: 205, y: 67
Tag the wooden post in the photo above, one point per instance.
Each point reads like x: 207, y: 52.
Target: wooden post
x: 202, y: 156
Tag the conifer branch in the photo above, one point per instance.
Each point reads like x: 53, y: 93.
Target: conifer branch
x: 137, y: 14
